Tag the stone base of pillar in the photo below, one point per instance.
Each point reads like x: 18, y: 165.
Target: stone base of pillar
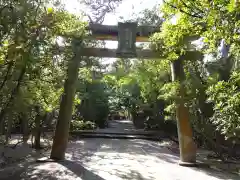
x: 187, y: 164
x: 47, y: 159
x: 194, y: 164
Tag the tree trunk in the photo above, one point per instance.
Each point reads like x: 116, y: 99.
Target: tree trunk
x: 185, y: 135
x: 65, y: 114
x: 25, y: 130
x: 2, y: 127
x: 9, y: 129
x: 37, y: 132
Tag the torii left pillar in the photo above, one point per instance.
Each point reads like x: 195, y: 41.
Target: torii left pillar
x: 60, y: 140
x: 185, y: 136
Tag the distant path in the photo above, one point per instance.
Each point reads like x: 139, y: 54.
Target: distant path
x: 122, y: 129
x: 119, y: 126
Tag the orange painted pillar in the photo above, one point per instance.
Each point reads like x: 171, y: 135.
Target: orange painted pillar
x: 185, y: 136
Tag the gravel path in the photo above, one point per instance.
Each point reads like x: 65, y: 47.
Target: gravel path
x: 113, y: 159
x: 120, y: 126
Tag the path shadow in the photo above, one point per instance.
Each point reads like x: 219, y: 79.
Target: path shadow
x: 89, y: 148
x: 107, y: 159
x: 53, y: 171
x: 111, y: 153
x: 80, y: 170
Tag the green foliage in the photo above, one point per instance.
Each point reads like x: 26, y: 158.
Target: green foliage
x: 226, y: 99
x: 94, y: 102
x: 212, y: 87
x: 77, y: 125
x: 32, y: 67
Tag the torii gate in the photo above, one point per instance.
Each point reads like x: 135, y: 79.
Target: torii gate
x: 127, y: 34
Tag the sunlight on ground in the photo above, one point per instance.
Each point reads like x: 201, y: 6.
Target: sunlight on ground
x: 113, y: 159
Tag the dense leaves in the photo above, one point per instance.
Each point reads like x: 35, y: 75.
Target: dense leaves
x: 33, y: 64
x: 226, y: 99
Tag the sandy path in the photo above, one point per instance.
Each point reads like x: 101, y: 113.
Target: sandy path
x: 113, y: 159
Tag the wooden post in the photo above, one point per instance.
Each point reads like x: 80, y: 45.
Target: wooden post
x: 186, y: 144
x: 65, y: 114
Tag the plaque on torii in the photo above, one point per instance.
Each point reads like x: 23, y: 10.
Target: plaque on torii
x: 127, y: 40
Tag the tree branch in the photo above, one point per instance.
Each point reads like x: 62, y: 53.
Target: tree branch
x: 191, y: 8
x: 10, y: 65
x: 100, y: 9
x: 181, y: 10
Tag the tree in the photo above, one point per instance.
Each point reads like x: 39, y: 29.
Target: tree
x: 26, y: 57
x: 199, y: 20
x: 99, y: 9
x: 32, y: 63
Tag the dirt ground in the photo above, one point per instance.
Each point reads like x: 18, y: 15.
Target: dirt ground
x: 108, y: 159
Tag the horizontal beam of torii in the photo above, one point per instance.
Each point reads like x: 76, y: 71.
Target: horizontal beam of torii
x: 142, y: 54
x: 112, y: 32
x: 109, y: 32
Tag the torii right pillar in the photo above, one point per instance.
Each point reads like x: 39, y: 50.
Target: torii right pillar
x: 185, y: 136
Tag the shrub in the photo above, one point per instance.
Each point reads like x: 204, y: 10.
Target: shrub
x: 226, y: 99
x: 170, y: 126
x: 94, y: 104
x: 77, y: 125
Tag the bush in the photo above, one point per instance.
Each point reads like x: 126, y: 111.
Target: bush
x: 170, y: 126
x: 94, y: 104
x: 77, y: 125
x: 226, y: 99
x: 151, y: 123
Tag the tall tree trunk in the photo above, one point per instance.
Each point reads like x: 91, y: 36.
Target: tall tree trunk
x: 185, y: 135
x: 37, y: 131
x: 2, y: 127
x: 9, y: 129
x: 65, y: 114
x: 25, y: 130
